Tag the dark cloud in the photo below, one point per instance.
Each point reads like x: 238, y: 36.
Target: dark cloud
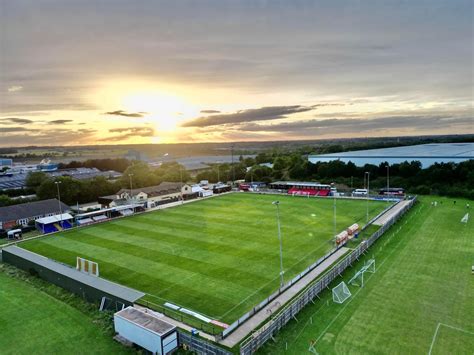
x: 60, y: 121
x: 361, y: 126
x: 126, y: 114
x: 16, y: 120
x: 257, y: 114
x: 13, y: 129
x: 47, y: 136
x: 129, y: 132
x: 210, y: 111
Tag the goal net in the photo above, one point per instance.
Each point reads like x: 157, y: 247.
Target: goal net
x: 465, y: 219
x: 340, y: 293
x: 87, y: 266
x: 358, y: 278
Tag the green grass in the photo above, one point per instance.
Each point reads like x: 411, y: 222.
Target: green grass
x: 423, y: 279
x: 34, y: 322
x: 218, y: 256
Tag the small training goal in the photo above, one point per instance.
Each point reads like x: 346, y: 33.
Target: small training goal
x: 358, y: 278
x: 340, y: 293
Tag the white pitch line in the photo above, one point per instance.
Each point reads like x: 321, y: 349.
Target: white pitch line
x: 434, y: 338
x: 456, y: 328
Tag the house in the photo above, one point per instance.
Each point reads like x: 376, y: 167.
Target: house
x: 21, y: 214
x: 151, y: 196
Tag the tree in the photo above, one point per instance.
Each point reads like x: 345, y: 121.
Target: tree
x: 71, y: 190
x: 141, y: 176
x: 35, y: 179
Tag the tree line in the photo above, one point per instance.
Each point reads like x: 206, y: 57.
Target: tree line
x: 446, y: 179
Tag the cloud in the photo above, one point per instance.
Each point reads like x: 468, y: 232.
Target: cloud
x: 210, y: 111
x: 126, y: 114
x: 46, y: 136
x: 15, y: 88
x: 129, y: 132
x: 257, y: 114
x: 60, y: 121
x: 17, y: 120
x: 13, y: 129
x: 361, y: 126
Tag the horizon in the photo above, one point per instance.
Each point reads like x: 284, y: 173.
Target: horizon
x: 101, y: 73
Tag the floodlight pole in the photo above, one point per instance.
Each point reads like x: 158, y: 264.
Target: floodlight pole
x: 334, y: 208
x: 233, y: 169
x: 218, y: 171
x: 59, y: 203
x: 368, y: 192
x: 130, y: 177
x: 181, y: 179
x: 388, y: 181
x: 277, y: 204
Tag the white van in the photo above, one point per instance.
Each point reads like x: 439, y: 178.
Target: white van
x: 359, y: 192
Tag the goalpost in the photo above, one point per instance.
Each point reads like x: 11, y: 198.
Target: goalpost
x: 340, y: 293
x: 87, y: 266
x: 358, y: 278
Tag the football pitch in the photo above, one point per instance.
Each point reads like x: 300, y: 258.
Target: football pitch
x: 419, y: 301
x: 218, y: 256
x: 33, y: 322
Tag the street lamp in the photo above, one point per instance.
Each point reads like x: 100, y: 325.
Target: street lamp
x: 59, y: 204
x: 368, y: 191
x: 277, y: 204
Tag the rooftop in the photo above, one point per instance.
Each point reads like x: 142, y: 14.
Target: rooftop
x: 145, y: 320
x: 30, y: 209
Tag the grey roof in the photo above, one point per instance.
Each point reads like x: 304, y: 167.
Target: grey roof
x: 162, y: 189
x: 145, y: 320
x: 30, y: 209
x: 122, y: 292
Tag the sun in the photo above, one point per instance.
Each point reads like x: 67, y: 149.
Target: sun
x: 162, y: 105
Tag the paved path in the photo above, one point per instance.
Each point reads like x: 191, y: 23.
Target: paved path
x: 390, y: 213
x: 253, y: 322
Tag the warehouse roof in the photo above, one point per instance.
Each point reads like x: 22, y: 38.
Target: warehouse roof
x: 30, y: 209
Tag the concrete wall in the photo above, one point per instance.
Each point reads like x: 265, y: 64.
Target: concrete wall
x: 87, y: 292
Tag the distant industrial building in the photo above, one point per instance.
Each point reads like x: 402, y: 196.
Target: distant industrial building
x: 6, y: 163
x: 18, y: 180
x: 426, y: 154
x: 21, y: 214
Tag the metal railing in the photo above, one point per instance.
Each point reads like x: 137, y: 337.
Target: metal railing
x: 262, y: 335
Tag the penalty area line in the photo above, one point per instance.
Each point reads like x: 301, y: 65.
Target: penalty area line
x: 435, y: 335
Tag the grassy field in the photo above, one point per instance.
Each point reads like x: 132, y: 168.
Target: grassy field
x: 218, y: 256
x: 34, y: 322
x: 419, y: 301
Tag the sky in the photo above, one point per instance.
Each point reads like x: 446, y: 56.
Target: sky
x: 119, y: 72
